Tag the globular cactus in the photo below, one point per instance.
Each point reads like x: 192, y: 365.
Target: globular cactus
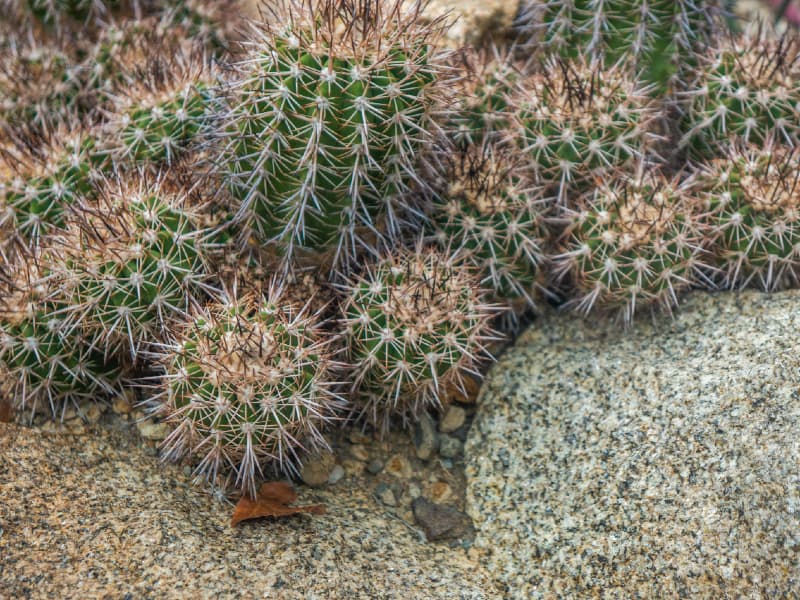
x: 496, y: 218
x: 747, y: 91
x: 489, y: 81
x: 247, y: 383
x: 415, y: 327
x: 135, y: 257
x: 635, y: 242
x: 656, y: 37
x: 44, y: 365
x: 37, y: 82
x: 752, y: 214
x: 43, y: 172
x: 330, y: 112
x: 209, y: 22
x: 165, y: 111
x: 578, y: 123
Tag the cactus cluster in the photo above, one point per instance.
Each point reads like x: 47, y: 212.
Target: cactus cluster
x: 335, y: 210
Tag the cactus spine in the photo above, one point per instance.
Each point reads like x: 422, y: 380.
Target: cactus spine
x: 329, y: 115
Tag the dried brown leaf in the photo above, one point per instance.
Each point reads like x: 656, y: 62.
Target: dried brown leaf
x: 271, y: 501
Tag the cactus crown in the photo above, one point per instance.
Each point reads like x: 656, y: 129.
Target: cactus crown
x: 749, y: 90
x: 247, y: 382
x: 136, y: 257
x: 634, y: 243
x: 415, y: 326
x: 329, y: 116
x: 496, y: 216
x: 577, y: 121
x: 753, y: 212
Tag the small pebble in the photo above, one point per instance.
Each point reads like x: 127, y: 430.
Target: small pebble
x: 440, y: 492
x: 356, y: 437
x: 121, y: 406
x: 453, y: 419
x: 425, y: 438
x: 359, y: 452
x: 336, y: 474
x: 414, y: 491
x: 353, y: 468
x: 450, y: 447
x: 317, y: 469
x: 375, y: 466
x: 385, y: 494
x: 152, y: 431
x: 399, y: 466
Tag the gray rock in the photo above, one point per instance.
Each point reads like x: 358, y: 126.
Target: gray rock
x: 375, y: 466
x: 656, y: 463
x: 385, y: 494
x: 441, y: 522
x: 336, y: 474
x: 453, y: 419
x: 426, y: 440
x: 450, y: 447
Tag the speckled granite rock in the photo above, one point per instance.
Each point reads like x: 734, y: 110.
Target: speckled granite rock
x: 96, y: 516
x: 662, y: 462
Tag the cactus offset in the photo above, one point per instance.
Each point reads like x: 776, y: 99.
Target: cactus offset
x: 248, y: 382
x: 658, y: 37
x: 491, y: 212
x: 136, y: 257
x: 578, y: 123
x: 42, y: 174
x: 753, y: 215
x: 165, y: 111
x: 331, y: 110
x: 634, y: 243
x: 747, y: 91
x: 42, y: 363
x: 415, y: 326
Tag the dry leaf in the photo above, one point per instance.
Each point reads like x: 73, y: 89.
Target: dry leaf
x: 271, y: 501
x: 6, y: 410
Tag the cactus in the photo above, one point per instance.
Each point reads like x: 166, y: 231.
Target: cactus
x: 415, y: 326
x: 42, y: 363
x: 331, y: 110
x: 635, y: 242
x: 136, y: 257
x: 489, y: 210
x: 165, y: 111
x: 491, y: 76
x: 747, y: 91
x: 658, y: 37
x: 578, y: 123
x: 209, y: 22
x: 42, y: 174
x: 751, y: 202
x: 248, y: 382
x: 37, y: 82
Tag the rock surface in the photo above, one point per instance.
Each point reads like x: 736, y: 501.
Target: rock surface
x: 96, y: 515
x: 656, y: 463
